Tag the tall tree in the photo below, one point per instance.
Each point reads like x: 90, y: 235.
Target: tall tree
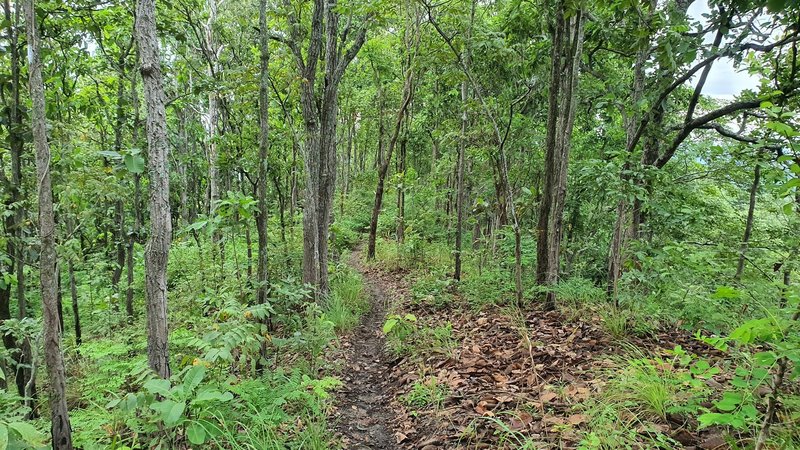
x: 462, y: 148
x: 262, y: 271
x: 60, y: 426
x: 319, y: 106
x: 157, y: 250
x: 383, y: 164
x: 562, y: 104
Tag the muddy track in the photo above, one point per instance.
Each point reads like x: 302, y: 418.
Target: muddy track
x: 363, y: 417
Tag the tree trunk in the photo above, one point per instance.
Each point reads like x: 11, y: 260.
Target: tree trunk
x: 263, y: 149
x: 408, y: 91
x: 133, y: 236
x: 631, y: 122
x: 748, y: 229
x: 462, y: 144
x: 60, y: 425
x: 567, y: 49
x: 14, y: 222
x: 319, y: 106
x: 73, y: 292
x: 401, y: 192
x: 157, y: 250
x: 212, y: 113
x: 119, y: 208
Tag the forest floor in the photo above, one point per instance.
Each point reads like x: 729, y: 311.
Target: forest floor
x: 363, y: 417
x: 495, y: 378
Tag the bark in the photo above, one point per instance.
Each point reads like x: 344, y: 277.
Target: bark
x: 59, y: 299
x: 212, y: 113
x: 462, y: 148
x: 133, y: 236
x: 460, y: 179
x: 319, y: 106
x: 748, y: 228
x: 157, y: 250
x: 567, y: 49
x: 383, y: 169
x: 73, y: 292
x: 263, y: 149
x: 60, y: 425
x: 13, y: 222
x: 119, y: 207
x: 401, y: 194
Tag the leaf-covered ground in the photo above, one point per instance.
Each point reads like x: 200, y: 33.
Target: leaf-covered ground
x: 503, y: 378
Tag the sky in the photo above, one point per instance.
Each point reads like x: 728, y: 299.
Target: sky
x: 723, y: 81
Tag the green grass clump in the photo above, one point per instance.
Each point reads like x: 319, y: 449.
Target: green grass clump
x: 426, y: 393
x: 347, y: 300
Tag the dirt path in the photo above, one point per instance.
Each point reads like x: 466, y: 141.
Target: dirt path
x: 364, y: 418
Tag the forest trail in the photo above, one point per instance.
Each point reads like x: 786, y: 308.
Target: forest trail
x: 364, y: 417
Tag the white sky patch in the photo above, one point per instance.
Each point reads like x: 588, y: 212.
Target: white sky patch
x: 724, y: 81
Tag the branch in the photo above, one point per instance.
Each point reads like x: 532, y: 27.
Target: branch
x: 351, y: 52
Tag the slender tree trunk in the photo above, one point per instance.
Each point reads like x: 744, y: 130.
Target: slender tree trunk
x: 401, y: 191
x: 157, y: 250
x: 263, y: 156
x: 320, y: 109
x: 183, y: 146
x: 776, y: 385
x: 134, y: 235
x: 212, y: 113
x: 282, y: 208
x: 60, y: 425
x: 567, y: 49
x: 73, y: 292
x: 59, y: 299
x: 748, y: 229
x: 383, y: 169
x: 14, y: 222
x: 119, y: 207
x: 462, y: 144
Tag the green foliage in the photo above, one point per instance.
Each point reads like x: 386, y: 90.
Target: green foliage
x: 398, y: 330
x: 643, y: 391
x: 432, y: 290
x: 19, y: 434
x: 347, y: 300
x: 427, y: 393
x: 761, y: 347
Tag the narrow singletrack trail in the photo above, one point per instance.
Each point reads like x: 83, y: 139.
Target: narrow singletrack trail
x: 364, y: 418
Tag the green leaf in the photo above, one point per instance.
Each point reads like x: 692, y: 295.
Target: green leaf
x: 170, y: 411
x: 196, y: 433
x: 212, y: 395
x: 729, y: 401
x: 134, y: 164
x: 389, y: 325
x: 709, y: 419
x: 27, y: 432
x: 193, y: 378
x: 158, y: 386
x: 3, y: 437
x: 174, y: 414
x: 765, y: 358
x: 129, y: 403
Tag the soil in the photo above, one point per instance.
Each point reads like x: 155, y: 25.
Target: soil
x: 364, y: 417
x: 505, y: 377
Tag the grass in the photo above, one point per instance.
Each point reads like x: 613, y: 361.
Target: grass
x: 347, y: 300
x: 427, y: 392
x: 640, y: 393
